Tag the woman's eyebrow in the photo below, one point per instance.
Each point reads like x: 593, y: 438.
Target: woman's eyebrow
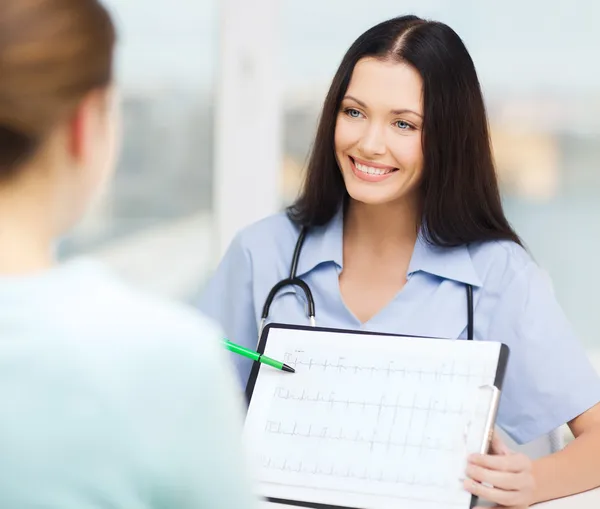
x: 393, y: 112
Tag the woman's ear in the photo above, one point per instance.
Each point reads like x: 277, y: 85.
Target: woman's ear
x: 76, y: 132
x: 82, y: 124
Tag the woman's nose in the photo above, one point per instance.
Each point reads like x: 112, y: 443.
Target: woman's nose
x: 372, y: 143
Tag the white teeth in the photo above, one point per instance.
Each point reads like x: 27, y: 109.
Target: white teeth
x: 370, y: 170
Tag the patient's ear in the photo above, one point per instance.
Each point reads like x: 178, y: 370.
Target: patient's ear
x: 86, y: 125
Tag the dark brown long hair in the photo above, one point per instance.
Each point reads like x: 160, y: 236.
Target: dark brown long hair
x: 460, y: 198
x: 52, y: 53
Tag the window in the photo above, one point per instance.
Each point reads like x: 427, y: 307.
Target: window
x: 153, y: 222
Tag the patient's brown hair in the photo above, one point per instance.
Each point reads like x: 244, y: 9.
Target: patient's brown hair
x: 52, y: 54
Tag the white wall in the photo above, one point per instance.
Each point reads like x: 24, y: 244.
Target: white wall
x: 248, y: 117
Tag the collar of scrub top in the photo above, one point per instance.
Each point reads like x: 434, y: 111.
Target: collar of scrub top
x: 325, y: 244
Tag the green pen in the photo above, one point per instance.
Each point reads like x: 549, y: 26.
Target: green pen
x: 255, y: 356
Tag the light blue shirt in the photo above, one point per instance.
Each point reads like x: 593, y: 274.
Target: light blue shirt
x: 112, y: 398
x: 549, y: 379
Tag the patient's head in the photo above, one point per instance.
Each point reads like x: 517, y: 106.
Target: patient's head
x: 58, y: 115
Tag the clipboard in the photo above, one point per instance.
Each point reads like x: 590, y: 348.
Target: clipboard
x: 294, y: 337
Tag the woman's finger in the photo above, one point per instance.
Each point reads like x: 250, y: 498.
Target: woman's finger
x: 497, y: 478
x: 494, y: 495
x: 506, y: 463
x: 503, y: 507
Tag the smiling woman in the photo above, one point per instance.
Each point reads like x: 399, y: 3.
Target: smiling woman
x: 399, y: 214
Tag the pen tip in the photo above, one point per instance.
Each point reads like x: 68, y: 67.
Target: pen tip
x: 289, y: 369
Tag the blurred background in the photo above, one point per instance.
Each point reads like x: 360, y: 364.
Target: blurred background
x: 221, y: 99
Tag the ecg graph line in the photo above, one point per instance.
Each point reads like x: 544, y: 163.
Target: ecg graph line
x: 339, y: 366
x: 409, y: 480
x: 285, y: 394
x: 275, y: 428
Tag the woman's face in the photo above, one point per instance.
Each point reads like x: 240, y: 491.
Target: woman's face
x: 378, y: 132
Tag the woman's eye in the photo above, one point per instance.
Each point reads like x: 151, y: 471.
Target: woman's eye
x: 351, y: 112
x: 402, y: 124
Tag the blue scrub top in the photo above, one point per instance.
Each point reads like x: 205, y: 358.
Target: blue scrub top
x: 549, y: 379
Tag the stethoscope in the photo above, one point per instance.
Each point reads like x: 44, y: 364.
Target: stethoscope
x: 293, y: 280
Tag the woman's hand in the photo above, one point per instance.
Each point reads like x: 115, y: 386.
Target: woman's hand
x: 508, y: 477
